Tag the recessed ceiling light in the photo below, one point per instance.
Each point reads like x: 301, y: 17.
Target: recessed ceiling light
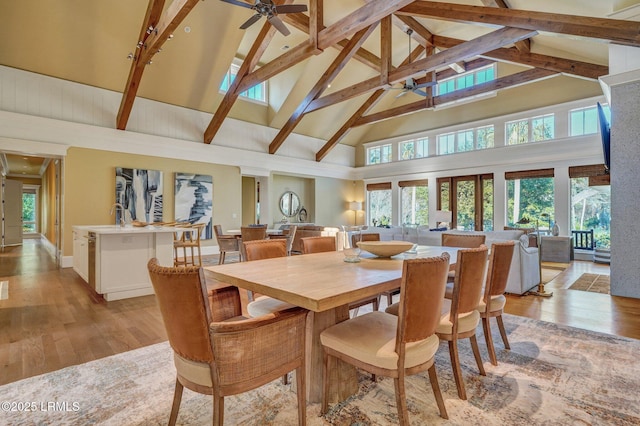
x: 285, y: 47
x: 187, y: 29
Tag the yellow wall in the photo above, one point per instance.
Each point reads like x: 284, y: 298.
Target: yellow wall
x: 89, y: 188
x: 48, y: 206
x: 248, y: 200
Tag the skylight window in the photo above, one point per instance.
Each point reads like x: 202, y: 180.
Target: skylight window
x: 257, y: 93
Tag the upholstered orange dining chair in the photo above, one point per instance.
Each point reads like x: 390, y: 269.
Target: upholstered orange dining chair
x: 494, y: 300
x: 395, y: 346
x: 207, y: 332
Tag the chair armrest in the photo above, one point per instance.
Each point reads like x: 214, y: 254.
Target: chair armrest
x: 257, y: 322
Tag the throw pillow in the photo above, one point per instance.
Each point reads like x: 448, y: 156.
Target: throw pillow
x: 524, y: 240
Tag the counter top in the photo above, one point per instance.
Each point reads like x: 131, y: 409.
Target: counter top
x: 127, y: 229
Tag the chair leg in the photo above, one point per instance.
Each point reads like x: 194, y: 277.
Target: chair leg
x: 433, y: 378
x: 376, y: 303
x: 476, y: 354
x: 218, y: 409
x: 389, y: 298
x: 503, y: 332
x: 221, y: 257
x: 285, y: 379
x: 301, y: 391
x: 455, y: 365
x: 177, y: 398
x: 325, y: 384
x: 486, y: 327
x: 401, y: 400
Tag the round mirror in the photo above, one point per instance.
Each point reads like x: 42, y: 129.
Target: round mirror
x: 289, y: 204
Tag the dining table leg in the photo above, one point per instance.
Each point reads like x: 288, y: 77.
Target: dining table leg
x: 343, y: 378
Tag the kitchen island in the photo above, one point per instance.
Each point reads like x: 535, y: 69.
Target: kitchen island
x: 112, y: 259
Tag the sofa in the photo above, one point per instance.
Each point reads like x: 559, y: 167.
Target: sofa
x: 524, y: 273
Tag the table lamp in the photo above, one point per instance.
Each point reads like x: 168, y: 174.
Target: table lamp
x: 443, y: 216
x: 355, y: 206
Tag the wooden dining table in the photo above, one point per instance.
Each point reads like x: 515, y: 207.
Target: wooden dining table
x: 324, y: 284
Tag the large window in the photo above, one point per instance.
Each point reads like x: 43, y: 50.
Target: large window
x: 591, y: 202
x: 417, y: 148
x: 29, y: 209
x: 530, y: 129
x: 379, y: 154
x: 466, y: 140
x: 465, y: 80
x: 379, y: 204
x: 530, y: 194
x: 583, y: 121
x: 470, y: 199
x: 256, y: 93
x: 414, y: 202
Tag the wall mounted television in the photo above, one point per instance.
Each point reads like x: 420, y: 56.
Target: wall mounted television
x: 605, y: 133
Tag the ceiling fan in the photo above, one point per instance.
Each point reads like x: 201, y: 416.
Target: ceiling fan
x: 410, y: 84
x: 271, y: 11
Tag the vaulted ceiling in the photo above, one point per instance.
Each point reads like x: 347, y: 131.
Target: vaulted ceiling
x: 330, y: 77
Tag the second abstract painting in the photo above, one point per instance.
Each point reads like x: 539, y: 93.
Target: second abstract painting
x: 194, y: 200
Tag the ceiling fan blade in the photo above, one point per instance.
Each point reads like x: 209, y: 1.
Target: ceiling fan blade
x: 276, y: 22
x: 420, y: 92
x: 291, y: 8
x: 427, y: 84
x: 250, y: 21
x: 238, y: 3
x: 404, y: 92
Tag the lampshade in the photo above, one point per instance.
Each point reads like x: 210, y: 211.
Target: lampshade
x: 443, y: 216
x: 355, y: 205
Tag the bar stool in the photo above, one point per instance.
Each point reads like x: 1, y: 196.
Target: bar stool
x: 188, y: 239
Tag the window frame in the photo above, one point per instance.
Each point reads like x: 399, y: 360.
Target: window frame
x: 230, y: 75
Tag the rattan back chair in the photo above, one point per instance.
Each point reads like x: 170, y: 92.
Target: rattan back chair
x: 206, y: 332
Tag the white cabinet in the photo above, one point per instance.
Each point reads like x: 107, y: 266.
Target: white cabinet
x: 81, y: 253
x: 121, y: 256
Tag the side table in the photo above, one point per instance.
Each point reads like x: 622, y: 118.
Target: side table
x: 557, y: 249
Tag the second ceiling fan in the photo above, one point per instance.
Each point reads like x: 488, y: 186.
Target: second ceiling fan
x: 410, y: 84
x: 271, y: 11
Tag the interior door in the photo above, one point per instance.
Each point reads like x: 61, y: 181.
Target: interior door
x: 12, y: 232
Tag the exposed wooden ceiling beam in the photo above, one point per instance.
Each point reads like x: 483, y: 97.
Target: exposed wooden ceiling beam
x: 361, y: 18
x: 316, y: 20
x: 301, y: 22
x: 522, y: 46
x: 154, y: 10
x: 385, y: 49
x: 329, y: 75
x: 250, y: 61
x: 364, y: 108
x: 552, y: 63
x: 625, y: 32
x: 506, y: 82
x: 475, y: 47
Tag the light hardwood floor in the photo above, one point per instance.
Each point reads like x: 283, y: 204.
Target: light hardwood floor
x: 50, y: 320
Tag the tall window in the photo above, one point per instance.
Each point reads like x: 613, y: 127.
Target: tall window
x: 466, y: 140
x: 414, y: 202
x: 465, y: 80
x: 530, y: 194
x: 591, y: 202
x: 379, y: 154
x: 256, y: 93
x: 470, y: 199
x: 417, y: 148
x: 29, y: 209
x: 379, y: 204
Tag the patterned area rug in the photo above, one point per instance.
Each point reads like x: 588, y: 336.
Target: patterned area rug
x: 592, y: 282
x: 552, y: 375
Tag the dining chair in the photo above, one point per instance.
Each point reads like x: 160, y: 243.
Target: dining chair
x: 494, y: 300
x: 395, y: 346
x: 461, y: 240
x: 318, y: 244
x: 460, y: 313
x: 251, y: 233
x: 373, y: 236
x: 207, y: 332
x: 226, y: 244
x: 265, y: 249
x: 312, y: 245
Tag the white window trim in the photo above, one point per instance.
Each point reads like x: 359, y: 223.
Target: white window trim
x: 236, y: 64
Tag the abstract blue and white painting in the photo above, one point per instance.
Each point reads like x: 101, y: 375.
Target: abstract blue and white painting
x: 194, y: 200
x: 140, y: 193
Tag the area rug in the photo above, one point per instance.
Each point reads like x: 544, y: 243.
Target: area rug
x: 552, y: 375
x: 592, y: 282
